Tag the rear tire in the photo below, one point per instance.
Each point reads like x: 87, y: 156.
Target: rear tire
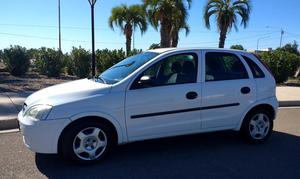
x: 257, y: 126
x: 87, y: 142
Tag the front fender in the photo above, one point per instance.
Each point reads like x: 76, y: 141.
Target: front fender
x: 122, y: 138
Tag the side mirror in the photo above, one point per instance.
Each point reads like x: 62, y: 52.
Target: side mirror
x: 145, y: 81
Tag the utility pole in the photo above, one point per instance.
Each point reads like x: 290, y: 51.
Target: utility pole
x: 281, y: 36
x: 92, y: 3
x: 59, y: 27
x: 281, y: 33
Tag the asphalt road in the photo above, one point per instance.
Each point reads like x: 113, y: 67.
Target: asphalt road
x: 214, y: 155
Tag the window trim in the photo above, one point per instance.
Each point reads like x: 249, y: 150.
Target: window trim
x: 194, y: 54
x: 226, y: 53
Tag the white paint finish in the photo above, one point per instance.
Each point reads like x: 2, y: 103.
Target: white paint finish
x: 161, y: 99
x: 42, y: 136
x: 272, y: 101
x: 226, y: 92
x: 67, y: 92
x: 117, y: 104
x: 266, y: 87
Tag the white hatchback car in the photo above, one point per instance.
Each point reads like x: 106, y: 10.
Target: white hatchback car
x: 158, y: 93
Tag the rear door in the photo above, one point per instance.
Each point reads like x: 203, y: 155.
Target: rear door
x: 228, y: 89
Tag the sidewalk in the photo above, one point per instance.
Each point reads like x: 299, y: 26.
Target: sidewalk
x: 11, y: 104
x: 288, y: 96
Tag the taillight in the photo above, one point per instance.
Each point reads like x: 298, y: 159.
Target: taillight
x: 264, y: 64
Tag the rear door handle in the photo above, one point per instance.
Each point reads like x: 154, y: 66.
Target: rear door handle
x: 191, y: 95
x: 245, y: 90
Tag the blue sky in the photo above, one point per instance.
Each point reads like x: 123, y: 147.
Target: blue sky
x: 33, y: 23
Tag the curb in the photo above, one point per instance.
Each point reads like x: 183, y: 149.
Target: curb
x: 12, y: 123
x: 9, y: 123
x: 289, y: 103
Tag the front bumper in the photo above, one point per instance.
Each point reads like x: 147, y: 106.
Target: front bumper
x: 41, y: 136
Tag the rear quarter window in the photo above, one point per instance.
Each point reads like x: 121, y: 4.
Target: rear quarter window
x: 255, y: 69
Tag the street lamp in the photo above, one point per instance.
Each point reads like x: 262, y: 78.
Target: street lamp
x: 92, y: 3
x: 259, y: 40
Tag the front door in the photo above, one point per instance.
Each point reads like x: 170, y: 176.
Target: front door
x: 164, y: 99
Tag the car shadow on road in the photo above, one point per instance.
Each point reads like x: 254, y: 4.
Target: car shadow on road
x: 213, y: 155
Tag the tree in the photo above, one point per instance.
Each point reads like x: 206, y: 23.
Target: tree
x: 80, y: 59
x: 1, y: 55
x: 283, y: 64
x: 178, y: 23
x: 154, y: 46
x: 237, y: 47
x: 161, y: 13
x: 16, y: 60
x: 128, y: 18
x: 48, y: 62
x: 292, y: 48
x: 227, y: 12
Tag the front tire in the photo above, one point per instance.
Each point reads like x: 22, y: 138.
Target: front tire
x: 257, y: 126
x: 87, y: 142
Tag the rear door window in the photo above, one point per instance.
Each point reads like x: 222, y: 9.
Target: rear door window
x: 224, y: 66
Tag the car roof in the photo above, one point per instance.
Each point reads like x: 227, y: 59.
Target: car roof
x: 163, y: 50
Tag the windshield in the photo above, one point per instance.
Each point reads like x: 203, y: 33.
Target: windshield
x: 127, y: 66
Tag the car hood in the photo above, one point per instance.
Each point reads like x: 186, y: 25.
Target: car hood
x: 68, y: 92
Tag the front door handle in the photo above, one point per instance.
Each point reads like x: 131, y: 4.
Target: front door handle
x: 245, y: 90
x: 191, y: 95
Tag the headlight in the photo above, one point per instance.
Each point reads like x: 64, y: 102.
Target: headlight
x: 38, y: 112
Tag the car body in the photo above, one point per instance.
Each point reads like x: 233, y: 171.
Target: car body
x: 160, y: 93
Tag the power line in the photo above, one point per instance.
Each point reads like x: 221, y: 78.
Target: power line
x: 118, y: 43
x: 105, y: 29
x: 230, y: 40
x: 50, y: 38
x: 53, y: 27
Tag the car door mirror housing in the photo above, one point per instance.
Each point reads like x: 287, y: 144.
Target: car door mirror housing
x: 145, y: 81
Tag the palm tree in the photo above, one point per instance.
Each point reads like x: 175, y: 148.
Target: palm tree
x: 226, y: 12
x: 128, y: 18
x: 161, y: 14
x: 177, y: 25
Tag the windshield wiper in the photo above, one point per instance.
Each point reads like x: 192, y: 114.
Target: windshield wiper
x: 96, y: 78
x: 102, y: 79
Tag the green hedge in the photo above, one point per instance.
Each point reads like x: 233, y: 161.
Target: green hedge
x: 16, y: 60
x: 107, y: 58
x: 79, y: 62
x: 282, y: 63
x: 52, y: 62
x: 49, y: 62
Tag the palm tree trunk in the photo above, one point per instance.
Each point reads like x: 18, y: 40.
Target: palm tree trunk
x: 175, y: 39
x: 128, y: 44
x: 165, y: 30
x: 128, y: 34
x: 222, y: 39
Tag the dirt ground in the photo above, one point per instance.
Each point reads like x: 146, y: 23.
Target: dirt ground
x: 31, y: 81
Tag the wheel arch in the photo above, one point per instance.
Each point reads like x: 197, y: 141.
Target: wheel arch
x: 114, y: 125
x: 264, y: 106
